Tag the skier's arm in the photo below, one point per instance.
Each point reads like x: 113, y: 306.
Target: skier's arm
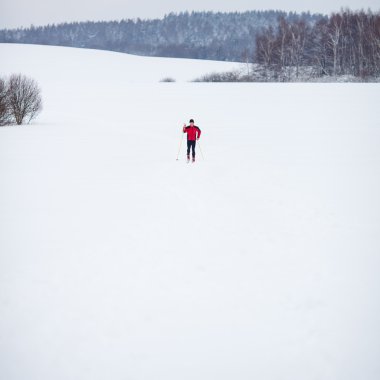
x: 198, y: 133
x: 184, y: 128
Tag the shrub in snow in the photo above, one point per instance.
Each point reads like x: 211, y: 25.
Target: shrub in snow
x: 23, y: 98
x: 168, y: 80
x: 228, y: 76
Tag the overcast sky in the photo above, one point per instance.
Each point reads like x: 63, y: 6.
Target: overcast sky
x: 16, y: 13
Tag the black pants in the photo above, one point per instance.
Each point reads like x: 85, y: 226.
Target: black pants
x: 191, y: 144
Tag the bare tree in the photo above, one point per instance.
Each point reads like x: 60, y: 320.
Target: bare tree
x: 24, y: 96
x: 318, y: 55
x: 265, y: 46
x: 282, y: 45
x: 299, y: 33
x: 247, y: 59
x: 335, y: 35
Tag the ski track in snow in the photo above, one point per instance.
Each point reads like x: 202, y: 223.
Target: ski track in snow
x: 119, y: 262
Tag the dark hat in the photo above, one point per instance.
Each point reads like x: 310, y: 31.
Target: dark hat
x: 191, y: 121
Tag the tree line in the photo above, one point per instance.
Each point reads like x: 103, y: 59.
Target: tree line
x: 199, y: 35
x: 346, y: 43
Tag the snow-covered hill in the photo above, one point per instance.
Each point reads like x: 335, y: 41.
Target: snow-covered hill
x: 260, y: 261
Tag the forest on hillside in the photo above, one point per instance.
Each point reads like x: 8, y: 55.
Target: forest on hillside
x: 199, y: 35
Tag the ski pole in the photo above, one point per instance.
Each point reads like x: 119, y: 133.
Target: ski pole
x: 201, y: 150
x: 180, y: 144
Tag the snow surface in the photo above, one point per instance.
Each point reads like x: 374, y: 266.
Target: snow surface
x: 119, y: 262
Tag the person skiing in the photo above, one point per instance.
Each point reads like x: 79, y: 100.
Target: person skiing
x: 193, y: 134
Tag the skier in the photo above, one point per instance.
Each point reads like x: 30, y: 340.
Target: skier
x: 193, y: 134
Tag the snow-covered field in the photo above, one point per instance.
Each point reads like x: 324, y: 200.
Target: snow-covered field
x: 119, y: 262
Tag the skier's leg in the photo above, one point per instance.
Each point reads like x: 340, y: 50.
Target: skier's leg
x: 188, y: 149
x: 193, y: 146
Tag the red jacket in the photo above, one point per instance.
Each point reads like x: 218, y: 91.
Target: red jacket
x: 193, y: 133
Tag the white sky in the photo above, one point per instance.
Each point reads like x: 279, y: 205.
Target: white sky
x: 16, y: 13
